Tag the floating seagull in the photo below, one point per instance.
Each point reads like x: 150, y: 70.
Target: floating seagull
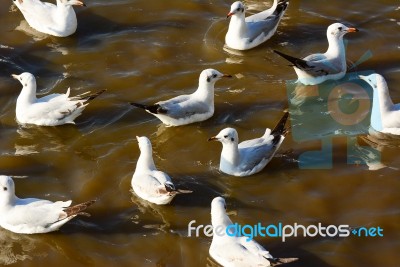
x: 318, y: 68
x: 32, y: 215
x: 50, y: 110
x: 186, y: 109
x: 251, y: 156
x: 385, y: 116
x: 246, y: 33
x: 236, y: 251
x: 149, y: 183
x: 58, y: 20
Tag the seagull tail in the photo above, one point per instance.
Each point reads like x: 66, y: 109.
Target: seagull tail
x: 155, y: 109
x: 79, y: 209
x: 279, y: 261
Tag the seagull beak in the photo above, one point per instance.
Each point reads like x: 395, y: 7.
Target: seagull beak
x: 352, y: 30
x: 227, y: 76
x: 137, y: 138
x: 362, y: 77
x: 15, y: 76
x: 229, y: 15
x: 78, y: 3
x: 214, y: 138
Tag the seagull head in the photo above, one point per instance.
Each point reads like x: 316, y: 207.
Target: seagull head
x: 71, y: 2
x: 25, y: 78
x: 7, y: 189
x: 218, y: 204
x: 339, y: 30
x: 237, y: 8
x: 373, y: 79
x: 144, y: 143
x: 226, y: 136
x: 210, y: 76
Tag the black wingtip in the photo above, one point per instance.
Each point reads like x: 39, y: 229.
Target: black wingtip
x: 280, y: 261
x: 138, y: 105
x: 280, y: 126
x: 282, y: 6
x: 93, y: 96
x: 155, y: 109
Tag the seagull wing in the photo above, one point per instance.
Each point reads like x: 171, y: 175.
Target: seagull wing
x: 37, y: 12
x: 31, y: 213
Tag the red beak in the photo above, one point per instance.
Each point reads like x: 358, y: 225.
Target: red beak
x: 229, y: 15
x: 352, y: 30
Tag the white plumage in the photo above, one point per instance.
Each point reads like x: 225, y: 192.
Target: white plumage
x: 186, y: 109
x: 236, y: 251
x: 58, y: 20
x: 251, y: 156
x: 32, y: 215
x: 385, y: 116
x: 246, y: 33
x: 149, y: 183
x: 50, y: 110
x: 318, y: 68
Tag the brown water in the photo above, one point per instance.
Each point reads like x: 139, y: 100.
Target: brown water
x: 146, y: 51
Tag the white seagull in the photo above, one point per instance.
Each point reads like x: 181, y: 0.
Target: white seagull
x: 186, y: 109
x: 149, y: 183
x: 32, y: 215
x: 251, y: 156
x: 236, y: 251
x: 246, y: 33
x: 50, y: 110
x: 58, y: 20
x: 318, y: 68
x: 385, y: 116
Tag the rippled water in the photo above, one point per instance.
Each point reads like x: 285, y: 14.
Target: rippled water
x: 146, y: 51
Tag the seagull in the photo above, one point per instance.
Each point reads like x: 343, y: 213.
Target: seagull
x: 385, y: 116
x: 246, y: 33
x: 237, y: 251
x: 50, y: 110
x: 251, y: 156
x: 58, y: 20
x: 186, y: 109
x: 318, y: 68
x: 149, y: 183
x: 33, y: 215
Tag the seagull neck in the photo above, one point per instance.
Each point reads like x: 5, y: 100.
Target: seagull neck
x: 230, y: 155
x: 385, y: 102
x: 205, y: 91
x: 336, y: 48
x: 219, y: 217
x: 7, y: 200
x: 145, y: 160
x: 28, y: 94
x: 237, y: 25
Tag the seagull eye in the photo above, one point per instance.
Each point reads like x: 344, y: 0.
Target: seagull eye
x: 5, y: 188
x: 215, y: 76
x: 238, y: 9
x: 340, y: 28
x: 225, y: 136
